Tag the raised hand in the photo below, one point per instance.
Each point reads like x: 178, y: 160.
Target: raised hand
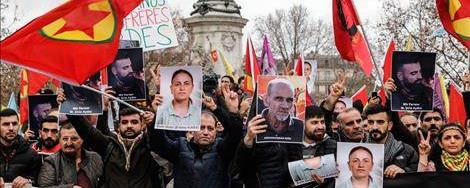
x: 231, y: 99
x: 338, y: 88
x: 148, y: 117
x: 155, y: 72
x: 209, y: 102
x: 389, y: 86
x: 157, y: 101
x: 424, y: 146
x: 106, y: 99
x: 254, y: 127
x: 60, y: 95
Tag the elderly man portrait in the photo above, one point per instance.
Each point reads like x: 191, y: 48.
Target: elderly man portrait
x: 279, y: 101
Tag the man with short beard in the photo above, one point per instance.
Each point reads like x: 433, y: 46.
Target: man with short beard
x: 72, y: 166
x: 48, y: 136
x: 316, y: 141
x: 398, y: 157
x: 125, y: 79
x: 19, y: 164
x: 126, y: 154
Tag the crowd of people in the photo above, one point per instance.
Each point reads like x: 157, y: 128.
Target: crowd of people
x: 127, y: 151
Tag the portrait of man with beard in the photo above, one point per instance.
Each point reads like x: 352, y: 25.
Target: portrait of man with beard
x: 413, y: 74
x: 48, y: 142
x: 126, y: 75
x: 283, y: 126
x: 82, y: 101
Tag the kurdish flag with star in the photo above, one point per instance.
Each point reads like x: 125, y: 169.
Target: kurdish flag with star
x: 455, y: 17
x: 71, y: 42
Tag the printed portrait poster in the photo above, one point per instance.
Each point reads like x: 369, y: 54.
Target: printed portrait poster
x: 151, y: 24
x: 281, y: 101
x: 301, y: 171
x: 181, y: 88
x: 129, y: 44
x: 126, y: 74
x: 38, y: 108
x: 413, y: 73
x: 82, y: 101
x: 361, y: 161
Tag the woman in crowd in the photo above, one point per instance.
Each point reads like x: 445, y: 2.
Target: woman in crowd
x: 454, y: 155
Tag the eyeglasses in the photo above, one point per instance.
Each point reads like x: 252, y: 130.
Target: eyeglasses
x: 436, y: 118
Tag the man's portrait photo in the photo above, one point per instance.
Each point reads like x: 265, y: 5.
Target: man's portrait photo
x: 181, y: 88
x: 359, y: 164
x: 126, y: 74
x: 82, y: 101
x: 413, y: 75
x: 39, y: 107
x: 282, y: 107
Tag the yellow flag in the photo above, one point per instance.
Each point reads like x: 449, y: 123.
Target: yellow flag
x: 409, y: 43
x: 227, y: 66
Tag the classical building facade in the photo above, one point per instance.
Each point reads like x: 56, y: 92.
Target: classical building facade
x: 218, y: 24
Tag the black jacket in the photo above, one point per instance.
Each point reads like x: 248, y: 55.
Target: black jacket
x: 143, y: 168
x: 194, y: 167
x: 24, y: 162
x: 265, y: 165
x: 59, y: 171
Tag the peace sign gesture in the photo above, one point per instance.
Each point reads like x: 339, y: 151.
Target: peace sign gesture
x: 337, y: 88
x: 231, y: 99
x: 424, y: 146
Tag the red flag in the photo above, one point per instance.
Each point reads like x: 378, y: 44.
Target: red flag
x: 457, y: 107
x: 387, y: 66
x: 252, y: 69
x: 361, y: 95
x: 455, y: 17
x: 299, y: 66
x: 71, y: 42
x: 349, y: 38
x: 30, y: 84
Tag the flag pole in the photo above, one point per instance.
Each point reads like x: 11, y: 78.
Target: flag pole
x: 112, y: 97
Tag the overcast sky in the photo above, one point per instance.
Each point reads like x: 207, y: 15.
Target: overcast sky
x: 367, y: 9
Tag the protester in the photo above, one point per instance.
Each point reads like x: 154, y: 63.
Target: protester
x: 410, y: 121
x: 316, y: 142
x: 19, y: 164
x: 264, y: 164
x: 398, y: 156
x: 48, y: 137
x: 72, y: 166
x: 203, y: 160
x: 455, y: 151
x: 127, y: 161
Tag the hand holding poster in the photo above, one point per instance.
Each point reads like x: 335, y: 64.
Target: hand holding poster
x: 301, y: 171
x: 361, y: 162
x: 283, y: 101
x: 126, y: 75
x: 413, y: 75
x: 181, y: 91
x: 151, y: 24
x: 82, y: 101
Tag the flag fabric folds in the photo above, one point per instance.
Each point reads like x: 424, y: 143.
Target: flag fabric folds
x: 440, y: 98
x: 299, y: 66
x: 387, y: 65
x: 455, y: 17
x: 252, y: 69
x: 267, y: 64
x: 71, y: 42
x: 228, y: 67
x: 349, y: 38
x: 361, y: 95
x: 12, y: 104
x: 30, y: 84
x: 457, y: 109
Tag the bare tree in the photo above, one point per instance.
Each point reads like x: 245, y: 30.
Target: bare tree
x: 293, y: 32
x: 420, y: 21
x: 9, y: 79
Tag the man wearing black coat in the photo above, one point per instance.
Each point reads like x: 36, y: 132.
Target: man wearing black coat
x: 19, y: 164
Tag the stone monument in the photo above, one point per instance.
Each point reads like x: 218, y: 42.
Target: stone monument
x: 218, y: 24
